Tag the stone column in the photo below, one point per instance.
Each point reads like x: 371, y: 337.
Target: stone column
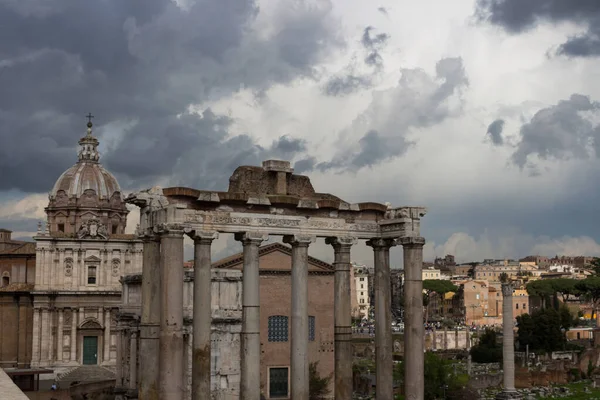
x: 133, y: 359
x: 299, y: 337
x: 342, y: 316
x: 170, y: 358
x: 250, y: 338
x: 107, y: 328
x: 508, y: 345
x: 59, y: 336
x: 202, y: 314
x: 383, y: 319
x: 414, y: 362
x: 73, y: 342
x: 45, y: 334
x: 37, y: 334
x: 150, y: 319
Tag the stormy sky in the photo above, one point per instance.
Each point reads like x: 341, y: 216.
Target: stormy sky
x: 485, y: 111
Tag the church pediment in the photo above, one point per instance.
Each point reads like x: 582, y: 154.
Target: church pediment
x: 92, y: 259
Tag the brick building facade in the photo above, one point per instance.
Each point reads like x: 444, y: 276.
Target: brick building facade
x: 275, y: 264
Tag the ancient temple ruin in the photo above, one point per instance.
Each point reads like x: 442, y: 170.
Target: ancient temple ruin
x: 261, y: 202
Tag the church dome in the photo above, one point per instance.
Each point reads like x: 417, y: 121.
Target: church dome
x: 86, y: 191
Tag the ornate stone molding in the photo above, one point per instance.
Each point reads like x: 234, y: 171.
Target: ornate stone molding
x: 92, y: 229
x: 299, y: 240
x: 507, y: 289
x: 152, y: 198
x: 405, y: 212
x: 412, y: 241
x: 169, y: 229
x: 202, y: 236
x: 251, y: 237
x: 341, y: 242
x: 381, y: 243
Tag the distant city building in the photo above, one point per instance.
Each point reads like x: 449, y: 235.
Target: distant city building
x: 362, y: 284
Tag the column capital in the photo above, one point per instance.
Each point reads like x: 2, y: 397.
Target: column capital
x: 412, y: 241
x: 341, y: 241
x: 507, y: 289
x: 169, y: 229
x: 299, y: 240
x: 251, y: 237
x: 381, y: 243
x: 148, y: 235
x: 202, y: 236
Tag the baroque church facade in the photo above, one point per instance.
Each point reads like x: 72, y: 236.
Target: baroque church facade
x: 80, y: 257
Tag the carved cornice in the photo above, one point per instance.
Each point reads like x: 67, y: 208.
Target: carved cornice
x: 152, y: 198
x: 251, y: 237
x: 379, y: 243
x: 205, y: 237
x: 341, y: 241
x: 169, y: 229
x: 299, y: 240
x: 412, y: 241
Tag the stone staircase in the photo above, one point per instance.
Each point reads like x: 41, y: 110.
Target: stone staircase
x: 85, y: 374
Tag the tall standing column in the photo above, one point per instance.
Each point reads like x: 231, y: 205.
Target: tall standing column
x: 107, y: 329
x: 37, y: 334
x: 170, y: 358
x: 383, y: 319
x: 202, y: 314
x: 508, y: 345
x: 59, y: 336
x: 150, y: 319
x: 299, y: 339
x: 133, y: 359
x: 414, y: 362
x: 73, y: 341
x: 250, y: 340
x: 342, y: 316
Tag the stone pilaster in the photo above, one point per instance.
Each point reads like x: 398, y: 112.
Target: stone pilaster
x: 250, y: 340
x: 59, y: 336
x: 73, y: 341
x: 133, y: 358
x: 383, y: 318
x: 299, y: 337
x: 508, y: 345
x: 201, y: 356
x: 171, y: 312
x: 414, y: 363
x: 107, y: 330
x: 342, y: 316
x: 148, y: 379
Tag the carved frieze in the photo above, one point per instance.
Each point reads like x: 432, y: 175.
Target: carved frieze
x: 92, y: 229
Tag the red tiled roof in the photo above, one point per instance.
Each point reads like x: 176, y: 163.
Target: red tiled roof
x: 24, y: 248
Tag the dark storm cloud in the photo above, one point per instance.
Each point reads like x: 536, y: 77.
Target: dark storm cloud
x: 138, y: 64
x: 517, y: 16
x: 495, y: 132
x: 418, y: 101
x: 560, y: 132
x: 350, y: 80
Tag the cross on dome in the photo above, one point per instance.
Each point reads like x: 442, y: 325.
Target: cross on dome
x: 89, y: 144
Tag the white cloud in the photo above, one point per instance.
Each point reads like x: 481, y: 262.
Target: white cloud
x: 30, y: 206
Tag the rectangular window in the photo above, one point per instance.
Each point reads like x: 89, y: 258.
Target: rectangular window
x: 362, y: 286
x: 517, y: 306
x: 362, y: 279
x: 524, y: 307
x: 278, y: 382
x: 91, y: 279
x: 278, y: 328
x: 114, y: 229
x: 61, y: 227
x: 311, y: 328
x: 362, y: 300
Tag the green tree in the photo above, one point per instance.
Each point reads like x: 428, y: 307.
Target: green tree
x: 542, y: 330
x: 488, y: 350
x: 565, y: 286
x: 590, y: 289
x: 438, y: 286
x: 318, y: 386
x: 542, y: 289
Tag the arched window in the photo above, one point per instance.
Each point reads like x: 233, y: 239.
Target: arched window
x: 278, y: 328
